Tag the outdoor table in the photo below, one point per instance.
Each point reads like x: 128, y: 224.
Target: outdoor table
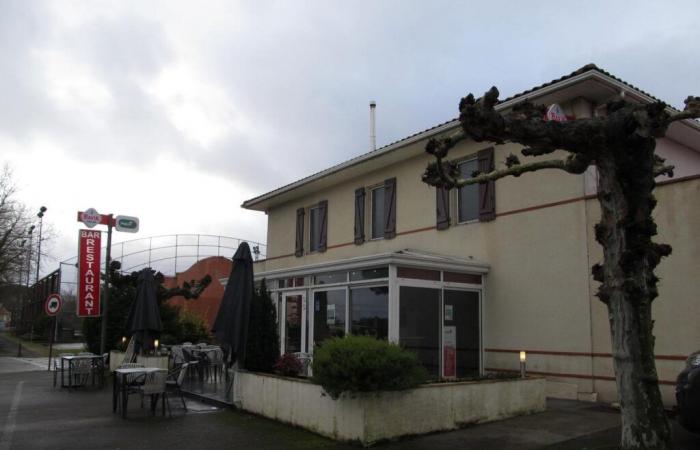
x: 96, y: 361
x: 119, y: 381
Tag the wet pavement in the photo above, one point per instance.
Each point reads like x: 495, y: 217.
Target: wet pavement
x: 34, y: 415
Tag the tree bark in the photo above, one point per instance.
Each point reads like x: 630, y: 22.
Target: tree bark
x: 628, y: 288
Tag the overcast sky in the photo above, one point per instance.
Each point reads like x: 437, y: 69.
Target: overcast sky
x: 177, y: 111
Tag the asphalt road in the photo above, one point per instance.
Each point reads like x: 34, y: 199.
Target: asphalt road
x: 34, y: 415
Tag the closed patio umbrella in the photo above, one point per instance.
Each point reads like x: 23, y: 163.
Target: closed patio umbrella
x: 143, y: 321
x: 231, y: 324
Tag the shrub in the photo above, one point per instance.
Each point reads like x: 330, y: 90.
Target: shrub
x: 365, y: 364
x: 262, y: 344
x: 288, y: 365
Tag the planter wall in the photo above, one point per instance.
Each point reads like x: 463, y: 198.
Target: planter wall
x: 373, y: 417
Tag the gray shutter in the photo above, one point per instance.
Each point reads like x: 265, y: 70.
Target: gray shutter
x: 442, y: 200
x: 323, y: 218
x: 390, y: 208
x: 299, y: 248
x: 359, y: 215
x: 487, y: 191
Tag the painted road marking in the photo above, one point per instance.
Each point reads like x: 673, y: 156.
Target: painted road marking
x: 9, y: 429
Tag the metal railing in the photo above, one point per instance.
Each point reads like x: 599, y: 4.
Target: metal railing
x: 165, y: 253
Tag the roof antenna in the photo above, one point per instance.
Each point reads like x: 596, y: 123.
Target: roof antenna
x: 372, y: 127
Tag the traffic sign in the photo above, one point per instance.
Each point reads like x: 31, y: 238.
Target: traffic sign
x: 53, y: 304
x: 127, y: 224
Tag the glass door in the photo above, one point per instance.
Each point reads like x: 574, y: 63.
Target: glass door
x: 329, y: 315
x: 294, y: 324
x: 461, y: 334
x: 419, y: 325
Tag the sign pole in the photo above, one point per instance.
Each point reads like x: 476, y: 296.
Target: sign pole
x: 108, y: 260
x: 51, y: 333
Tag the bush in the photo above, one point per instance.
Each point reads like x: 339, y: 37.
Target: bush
x: 365, y: 364
x: 262, y: 344
x: 288, y: 365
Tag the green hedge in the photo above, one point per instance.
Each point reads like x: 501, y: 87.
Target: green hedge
x: 365, y: 364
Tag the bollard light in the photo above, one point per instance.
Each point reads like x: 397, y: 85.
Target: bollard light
x: 523, y: 359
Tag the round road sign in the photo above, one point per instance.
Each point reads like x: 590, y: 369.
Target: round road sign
x: 53, y: 304
x: 91, y: 217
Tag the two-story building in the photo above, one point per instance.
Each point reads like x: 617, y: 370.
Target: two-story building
x: 468, y: 278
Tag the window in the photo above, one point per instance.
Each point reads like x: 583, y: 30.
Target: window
x: 314, y: 229
x: 378, y: 212
x: 329, y: 314
x: 369, y: 311
x: 468, y: 196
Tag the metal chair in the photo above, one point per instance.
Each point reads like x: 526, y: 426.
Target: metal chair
x: 80, y: 370
x: 155, y: 385
x: 57, y: 366
x: 176, y: 378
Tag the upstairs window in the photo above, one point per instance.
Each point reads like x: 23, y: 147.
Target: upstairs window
x: 468, y: 196
x: 314, y: 229
x: 378, y: 212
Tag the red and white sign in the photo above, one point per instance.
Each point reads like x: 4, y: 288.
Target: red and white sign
x: 449, y: 342
x: 89, y: 273
x: 556, y: 114
x: 53, y: 304
x: 90, y: 217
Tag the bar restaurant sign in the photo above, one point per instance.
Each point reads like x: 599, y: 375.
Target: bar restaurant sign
x: 89, y: 273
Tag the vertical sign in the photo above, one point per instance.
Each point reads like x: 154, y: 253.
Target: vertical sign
x: 449, y: 342
x: 89, y: 273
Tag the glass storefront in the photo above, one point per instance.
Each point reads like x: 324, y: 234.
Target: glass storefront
x: 437, y: 313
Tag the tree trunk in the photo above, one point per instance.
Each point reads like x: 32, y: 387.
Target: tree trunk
x: 628, y: 288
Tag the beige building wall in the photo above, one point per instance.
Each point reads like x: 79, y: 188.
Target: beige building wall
x: 539, y: 294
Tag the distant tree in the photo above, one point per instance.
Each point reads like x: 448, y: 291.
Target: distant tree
x: 15, y: 221
x: 123, y: 293
x: 620, y: 143
x: 262, y: 345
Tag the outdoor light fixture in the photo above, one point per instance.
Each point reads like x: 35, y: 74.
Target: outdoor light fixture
x: 523, y: 358
x: 155, y: 343
x: 123, y: 339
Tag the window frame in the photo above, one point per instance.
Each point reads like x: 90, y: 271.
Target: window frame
x: 456, y: 197
x: 370, y: 216
x: 317, y: 209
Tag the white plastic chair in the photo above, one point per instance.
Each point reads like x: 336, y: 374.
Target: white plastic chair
x: 155, y: 385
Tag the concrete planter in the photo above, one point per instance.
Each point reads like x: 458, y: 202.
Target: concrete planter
x: 372, y: 417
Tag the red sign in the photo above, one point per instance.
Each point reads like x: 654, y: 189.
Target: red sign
x: 556, y: 113
x: 91, y: 216
x: 53, y: 304
x: 89, y: 273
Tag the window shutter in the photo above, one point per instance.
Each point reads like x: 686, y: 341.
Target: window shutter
x: 323, y: 218
x: 359, y: 215
x: 442, y: 201
x: 487, y: 191
x: 299, y: 248
x: 390, y: 208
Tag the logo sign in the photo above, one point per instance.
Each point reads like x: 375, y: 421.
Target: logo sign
x: 90, y: 217
x: 127, y: 224
x: 53, y: 304
x: 89, y: 273
x: 556, y: 114
x: 449, y: 342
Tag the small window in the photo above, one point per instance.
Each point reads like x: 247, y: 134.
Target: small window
x: 378, y: 212
x: 468, y: 196
x: 331, y: 277
x: 314, y: 229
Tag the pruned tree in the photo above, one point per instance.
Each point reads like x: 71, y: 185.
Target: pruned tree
x: 620, y: 143
x: 122, y: 295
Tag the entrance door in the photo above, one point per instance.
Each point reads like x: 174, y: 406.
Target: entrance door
x: 294, y: 325
x: 419, y: 325
x: 461, y: 334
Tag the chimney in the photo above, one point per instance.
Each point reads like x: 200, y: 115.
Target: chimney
x: 372, y: 127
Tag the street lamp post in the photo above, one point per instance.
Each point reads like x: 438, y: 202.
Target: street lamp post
x: 40, y: 215
x: 26, y: 310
